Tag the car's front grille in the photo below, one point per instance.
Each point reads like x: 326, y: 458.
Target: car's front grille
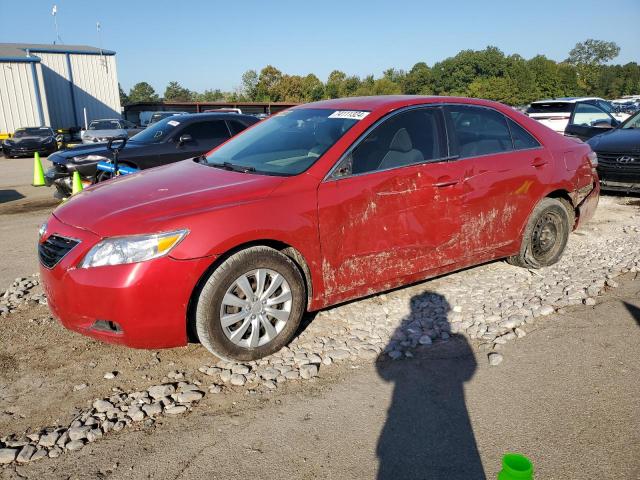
x: 54, y: 248
x: 619, y: 162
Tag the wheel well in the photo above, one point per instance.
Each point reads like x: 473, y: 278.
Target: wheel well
x: 565, y: 198
x: 282, y: 247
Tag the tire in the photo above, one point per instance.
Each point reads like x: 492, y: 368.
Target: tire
x: 546, y: 235
x: 230, y: 342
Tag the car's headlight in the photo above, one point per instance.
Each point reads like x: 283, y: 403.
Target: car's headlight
x: 89, y: 158
x: 139, y: 248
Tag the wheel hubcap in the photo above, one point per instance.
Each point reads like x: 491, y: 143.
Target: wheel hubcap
x: 545, y: 234
x: 255, y: 308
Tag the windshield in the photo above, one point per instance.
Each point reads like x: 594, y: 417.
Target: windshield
x: 157, y: 132
x: 33, y: 132
x: 632, y: 122
x: 104, y: 125
x: 551, y: 107
x: 287, y: 143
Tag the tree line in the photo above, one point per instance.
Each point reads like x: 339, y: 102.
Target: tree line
x: 487, y: 73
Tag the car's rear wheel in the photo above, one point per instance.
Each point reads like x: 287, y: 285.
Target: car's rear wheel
x: 545, y: 236
x: 251, y: 305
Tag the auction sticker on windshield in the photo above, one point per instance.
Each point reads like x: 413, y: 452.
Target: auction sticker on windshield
x: 173, y: 123
x: 350, y: 114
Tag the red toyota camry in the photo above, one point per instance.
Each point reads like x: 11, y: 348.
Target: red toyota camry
x: 319, y: 204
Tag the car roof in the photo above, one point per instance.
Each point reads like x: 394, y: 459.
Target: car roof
x: 185, y: 117
x: 389, y: 102
x: 567, y: 100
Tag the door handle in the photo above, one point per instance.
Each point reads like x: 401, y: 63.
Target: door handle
x: 445, y: 182
x: 538, y: 162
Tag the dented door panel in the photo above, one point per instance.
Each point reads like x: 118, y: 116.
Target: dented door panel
x: 378, y: 227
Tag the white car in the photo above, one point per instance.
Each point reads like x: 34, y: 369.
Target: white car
x: 103, y: 130
x: 555, y: 113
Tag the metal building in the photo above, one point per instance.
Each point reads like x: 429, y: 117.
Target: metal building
x: 53, y: 85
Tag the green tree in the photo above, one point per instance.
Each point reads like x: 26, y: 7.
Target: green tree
x: 142, y: 92
x: 209, y: 96
x: 250, y: 84
x: 334, y: 88
x: 177, y: 93
x: 588, y: 57
x: 268, y: 80
x: 593, y: 52
x: 313, y: 88
x: 418, y: 81
x: 124, y: 98
x: 384, y: 86
x: 289, y: 88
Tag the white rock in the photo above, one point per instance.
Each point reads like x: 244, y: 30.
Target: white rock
x: 495, y: 359
x: 160, y: 391
x: 102, y: 406
x: 7, y: 455
x: 176, y: 410
x: 189, y: 396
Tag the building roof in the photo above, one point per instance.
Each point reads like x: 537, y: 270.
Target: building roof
x: 18, y: 51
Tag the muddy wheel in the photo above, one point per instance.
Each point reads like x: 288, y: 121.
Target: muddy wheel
x: 251, y: 305
x: 545, y: 236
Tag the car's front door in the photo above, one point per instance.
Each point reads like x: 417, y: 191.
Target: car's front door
x: 390, y: 208
x: 588, y: 120
x: 504, y: 169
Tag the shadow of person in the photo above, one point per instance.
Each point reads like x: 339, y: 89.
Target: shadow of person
x: 428, y: 434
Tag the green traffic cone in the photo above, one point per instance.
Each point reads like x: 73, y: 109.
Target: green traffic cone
x: 38, y: 172
x: 76, y: 183
x: 516, y: 467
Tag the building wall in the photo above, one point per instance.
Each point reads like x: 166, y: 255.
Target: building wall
x: 95, y: 80
x: 19, y: 97
x: 58, y: 86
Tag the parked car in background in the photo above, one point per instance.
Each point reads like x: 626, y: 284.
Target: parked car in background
x: 157, y: 116
x: 105, y: 129
x: 317, y: 205
x: 618, y: 153
x: 555, y: 113
x: 169, y: 140
x: 588, y: 119
x: 223, y: 110
x: 29, y: 140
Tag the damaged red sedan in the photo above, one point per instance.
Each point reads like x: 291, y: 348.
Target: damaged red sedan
x: 321, y: 203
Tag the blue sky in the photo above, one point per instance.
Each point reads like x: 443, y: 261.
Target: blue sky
x: 209, y: 44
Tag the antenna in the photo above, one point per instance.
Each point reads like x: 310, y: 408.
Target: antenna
x: 102, y: 59
x: 54, y: 13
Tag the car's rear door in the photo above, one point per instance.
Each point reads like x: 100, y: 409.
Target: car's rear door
x: 502, y: 177
x: 390, y: 207
x: 588, y: 120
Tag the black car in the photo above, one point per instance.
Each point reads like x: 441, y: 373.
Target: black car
x: 172, y: 139
x: 618, y: 153
x: 27, y: 141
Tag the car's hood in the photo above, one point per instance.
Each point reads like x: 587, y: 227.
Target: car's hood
x: 161, y: 199
x: 620, y: 140
x: 63, y: 156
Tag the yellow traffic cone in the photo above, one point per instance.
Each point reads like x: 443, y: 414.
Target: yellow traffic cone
x: 76, y: 183
x: 38, y: 172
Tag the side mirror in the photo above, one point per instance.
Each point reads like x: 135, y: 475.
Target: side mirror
x: 602, y: 124
x: 184, y: 139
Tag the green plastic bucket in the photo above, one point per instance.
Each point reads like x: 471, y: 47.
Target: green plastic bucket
x: 516, y: 467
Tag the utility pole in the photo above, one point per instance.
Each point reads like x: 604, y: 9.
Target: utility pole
x: 54, y: 12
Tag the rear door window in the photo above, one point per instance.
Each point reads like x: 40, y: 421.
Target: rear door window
x: 478, y: 131
x: 522, y: 139
x: 207, y: 131
x: 236, y: 127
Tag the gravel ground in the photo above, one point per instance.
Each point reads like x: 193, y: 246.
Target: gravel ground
x: 50, y: 405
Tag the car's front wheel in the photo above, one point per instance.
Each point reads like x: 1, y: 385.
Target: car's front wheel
x: 546, y: 235
x: 251, y: 305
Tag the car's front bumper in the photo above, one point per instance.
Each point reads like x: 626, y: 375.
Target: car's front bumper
x: 30, y: 151
x: 587, y: 207
x: 145, y: 302
x: 610, y: 185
